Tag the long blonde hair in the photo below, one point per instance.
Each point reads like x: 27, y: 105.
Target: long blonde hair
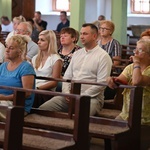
x: 52, y: 46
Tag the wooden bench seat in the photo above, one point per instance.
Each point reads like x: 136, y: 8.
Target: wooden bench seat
x: 41, y: 138
x: 123, y: 134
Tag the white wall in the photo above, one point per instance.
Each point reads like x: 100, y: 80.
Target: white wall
x: 93, y: 9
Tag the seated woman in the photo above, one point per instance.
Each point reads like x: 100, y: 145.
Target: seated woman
x: 107, y: 42
x: 16, y: 22
x: 47, y: 63
x: 112, y: 47
x: 16, y: 72
x: 68, y: 39
x: 137, y: 73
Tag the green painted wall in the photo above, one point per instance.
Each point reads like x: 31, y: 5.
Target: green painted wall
x: 5, y: 8
x: 119, y: 17
x: 77, y: 15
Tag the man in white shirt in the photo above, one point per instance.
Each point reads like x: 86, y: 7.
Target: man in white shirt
x: 90, y: 63
x: 6, y: 24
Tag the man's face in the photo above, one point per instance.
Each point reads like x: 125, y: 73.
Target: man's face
x: 86, y: 35
x: 37, y: 16
x: 3, y: 21
x: 62, y: 16
x: 22, y: 29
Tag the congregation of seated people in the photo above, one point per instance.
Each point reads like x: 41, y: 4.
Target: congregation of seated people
x: 93, y: 61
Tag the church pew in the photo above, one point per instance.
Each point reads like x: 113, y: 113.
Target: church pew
x: 11, y: 129
x: 46, y: 138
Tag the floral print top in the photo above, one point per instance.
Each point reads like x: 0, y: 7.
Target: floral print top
x: 66, y: 58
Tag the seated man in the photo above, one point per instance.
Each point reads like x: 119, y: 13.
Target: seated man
x: 38, y: 22
x: 7, y: 25
x: 90, y: 63
x: 64, y: 21
x: 24, y: 28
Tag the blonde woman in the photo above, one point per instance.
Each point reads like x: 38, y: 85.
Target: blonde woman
x: 16, y: 72
x: 16, y: 22
x: 46, y: 63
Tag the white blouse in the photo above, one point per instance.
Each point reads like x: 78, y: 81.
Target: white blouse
x: 46, y: 70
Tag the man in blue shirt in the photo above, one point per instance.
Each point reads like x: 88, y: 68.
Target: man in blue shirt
x: 64, y: 21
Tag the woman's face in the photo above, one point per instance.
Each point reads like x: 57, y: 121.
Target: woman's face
x: 15, y: 24
x: 140, y: 51
x: 66, y: 39
x: 43, y: 43
x: 105, y: 30
x: 12, y: 50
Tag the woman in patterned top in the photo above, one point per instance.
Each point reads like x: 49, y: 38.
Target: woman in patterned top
x: 110, y: 45
x: 137, y: 73
x: 68, y: 39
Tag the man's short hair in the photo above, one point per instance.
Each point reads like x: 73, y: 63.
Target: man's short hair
x: 5, y: 18
x: 38, y: 12
x: 64, y: 12
x: 93, y: 27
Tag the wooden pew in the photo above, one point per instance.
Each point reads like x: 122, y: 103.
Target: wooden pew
x: 3, y: 36
x: 11, y: 130
x: 36, y: 136
x: 124, y: 134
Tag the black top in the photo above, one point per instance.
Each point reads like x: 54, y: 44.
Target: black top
x: 61, y: 25
x: 43, y: 24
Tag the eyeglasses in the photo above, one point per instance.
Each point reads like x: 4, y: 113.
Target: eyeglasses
x: 21, y: 31
x: 103, y: 29
x: 138, y: 50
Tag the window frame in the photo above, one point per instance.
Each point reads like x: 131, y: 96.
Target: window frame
x: 59, y: 10
x: 132, y: 7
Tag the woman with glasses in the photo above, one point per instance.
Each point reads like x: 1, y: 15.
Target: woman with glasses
x: 112, y: 47
x: 136, y: 74
x: 107, y: 42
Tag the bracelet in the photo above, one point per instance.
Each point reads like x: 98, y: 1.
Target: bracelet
x: 136, y: 67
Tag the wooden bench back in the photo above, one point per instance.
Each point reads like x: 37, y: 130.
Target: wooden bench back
x: 82, y: 105
x: 13, y: 127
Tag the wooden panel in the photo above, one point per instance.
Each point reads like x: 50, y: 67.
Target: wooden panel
x: 23, y: 7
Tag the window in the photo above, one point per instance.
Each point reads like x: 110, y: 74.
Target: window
x: 61, y: 5
x: 140, y: 6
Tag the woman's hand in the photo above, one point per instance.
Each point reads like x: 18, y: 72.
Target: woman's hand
x: 111, y: 83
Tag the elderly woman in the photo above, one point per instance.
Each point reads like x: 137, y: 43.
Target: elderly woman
x: 16, y: 72
x: 137, y: 73
x: 47, y: 63
x: 107, y: 42
x: 16, y: 22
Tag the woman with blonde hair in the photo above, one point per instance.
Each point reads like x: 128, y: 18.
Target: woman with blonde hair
x: 16, y: 22
x: 16, y: 72
x: 47, y: 63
